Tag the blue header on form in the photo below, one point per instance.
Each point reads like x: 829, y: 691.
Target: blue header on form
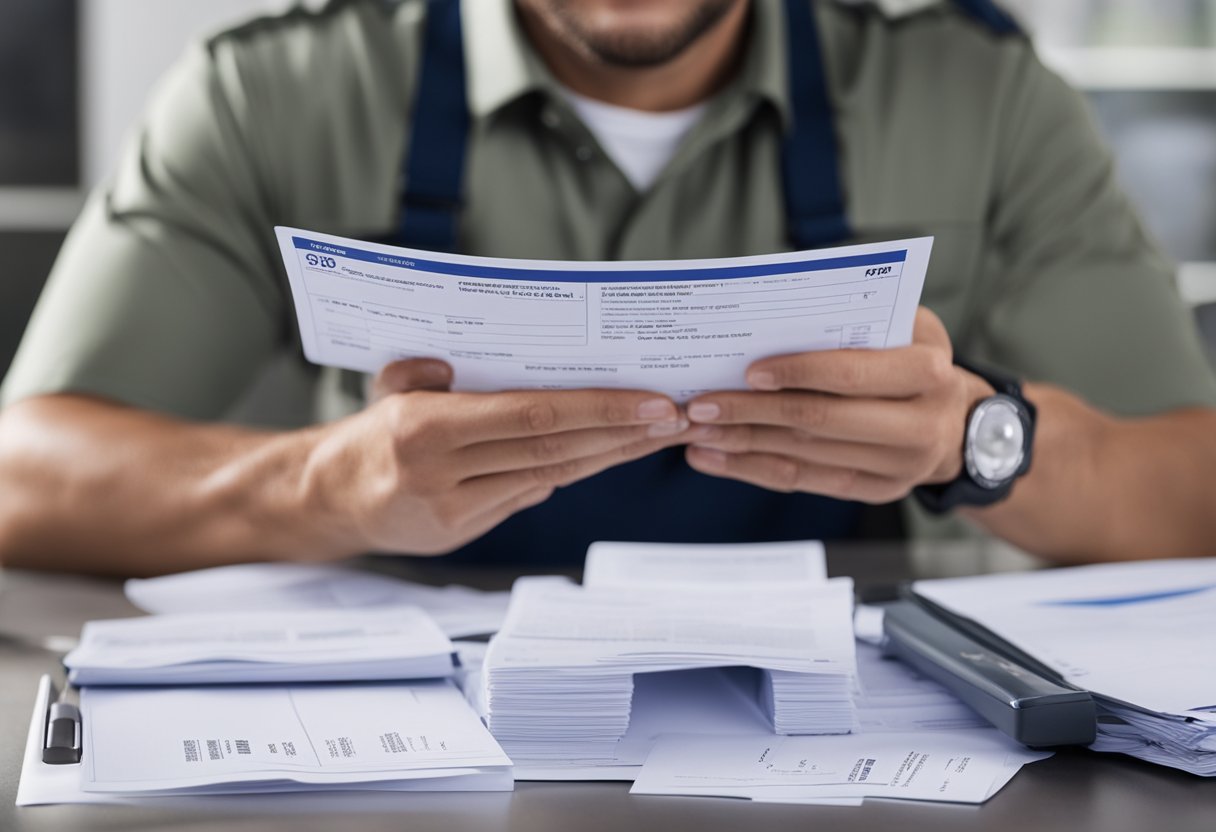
x: 604, y: 276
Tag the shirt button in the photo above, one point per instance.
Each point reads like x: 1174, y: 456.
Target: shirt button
x: 550, y: 119
x: 583, y: 153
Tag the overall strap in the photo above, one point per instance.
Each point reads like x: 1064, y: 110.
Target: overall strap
x: 991, y: 15
x: 434, y: 168
x: 814, y: 194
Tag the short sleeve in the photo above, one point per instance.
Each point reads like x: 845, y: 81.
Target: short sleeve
x: 166, y: 294
x: 1082, y: 297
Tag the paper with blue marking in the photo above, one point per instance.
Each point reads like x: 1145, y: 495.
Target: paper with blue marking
x: 680, y: 327
x: 1137, y: 635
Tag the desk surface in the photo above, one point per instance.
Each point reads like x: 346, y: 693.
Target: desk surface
x: 1074, y: 791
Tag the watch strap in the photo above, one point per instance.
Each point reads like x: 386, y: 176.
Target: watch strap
x: 963, y: 490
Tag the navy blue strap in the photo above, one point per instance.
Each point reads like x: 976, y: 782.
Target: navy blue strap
x: 991, y: 15
x: 814, y: 195
x: 434, y: 169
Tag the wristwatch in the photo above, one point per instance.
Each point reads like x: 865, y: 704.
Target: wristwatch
x: 996, y: 447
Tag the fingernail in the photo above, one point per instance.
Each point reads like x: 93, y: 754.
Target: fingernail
x: 436, y: 371
x: 762, y: 380
x: 704, y: 411
x: 655, y: 409
x: 660, y: 429
x: 709, y: 458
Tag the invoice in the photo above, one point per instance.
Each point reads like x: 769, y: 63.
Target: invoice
x: 678, y: 327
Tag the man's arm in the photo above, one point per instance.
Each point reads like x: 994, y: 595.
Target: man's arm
x: 93, y: 486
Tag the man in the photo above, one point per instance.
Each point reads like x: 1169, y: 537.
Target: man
x: 609, y: 129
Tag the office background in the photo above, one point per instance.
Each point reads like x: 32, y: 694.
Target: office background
x: 77, y: 72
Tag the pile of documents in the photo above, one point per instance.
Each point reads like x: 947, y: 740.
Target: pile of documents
x: 561, y: 679
x: 1137, y: 635
x: 332, y: 645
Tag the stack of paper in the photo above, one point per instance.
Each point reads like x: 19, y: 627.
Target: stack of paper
x: 333, y: 645
x: 1138, y: 636
x: 227, y: 740
x: 559, y: 677
x: 260, y: 587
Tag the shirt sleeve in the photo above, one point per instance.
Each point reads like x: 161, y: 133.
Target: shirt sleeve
x: 1082, y: 297
x: 167, y: 293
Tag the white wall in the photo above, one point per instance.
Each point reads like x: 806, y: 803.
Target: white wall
x: 127, y: 45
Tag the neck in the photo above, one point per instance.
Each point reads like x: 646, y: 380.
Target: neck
x: 691, y: 77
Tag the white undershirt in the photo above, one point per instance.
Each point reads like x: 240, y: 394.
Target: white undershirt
x: 641, y: 143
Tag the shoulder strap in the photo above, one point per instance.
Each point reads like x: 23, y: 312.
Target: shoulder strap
x: 814, y: 195
x: 434, y: 168
x: 991, y: 15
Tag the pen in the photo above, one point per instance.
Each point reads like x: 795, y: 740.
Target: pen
x: 62, y: 741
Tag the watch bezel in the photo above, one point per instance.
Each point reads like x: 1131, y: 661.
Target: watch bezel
x: 973, y: 422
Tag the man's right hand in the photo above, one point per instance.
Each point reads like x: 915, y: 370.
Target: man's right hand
x: 423, y: 470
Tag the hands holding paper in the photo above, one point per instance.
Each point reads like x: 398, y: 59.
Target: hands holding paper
x: 855, y: 424
x: 423, y: 470
x: 865, y: 425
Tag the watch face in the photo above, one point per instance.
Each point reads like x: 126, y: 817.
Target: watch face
x: 996, y: 441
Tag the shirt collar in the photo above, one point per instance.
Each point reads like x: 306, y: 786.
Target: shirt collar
x: 503, y: 67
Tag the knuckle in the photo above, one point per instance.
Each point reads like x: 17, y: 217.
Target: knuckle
x: 613, y: 411
x: 846, y: 483
x: 939, y: 368
x: 557, y: 474
x: 539, y: 417
x: 548, y: 448
x: 787, y: 474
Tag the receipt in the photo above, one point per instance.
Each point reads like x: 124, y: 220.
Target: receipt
x: 680, y: 327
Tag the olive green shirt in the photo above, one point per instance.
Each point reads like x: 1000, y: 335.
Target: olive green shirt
x: 169, y: 293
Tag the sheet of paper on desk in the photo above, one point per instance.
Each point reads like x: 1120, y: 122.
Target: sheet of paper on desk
x: 1138, y: 635
x: 1136, y: 632
x: 323, y: 645
x: 458, y: 610
x: 687, y: 564
x: 272, y: 738
x: 679, y: 327
x: 42, y: 784
x: 965, y: 767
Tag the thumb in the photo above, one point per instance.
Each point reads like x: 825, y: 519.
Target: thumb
x: 412, y: 374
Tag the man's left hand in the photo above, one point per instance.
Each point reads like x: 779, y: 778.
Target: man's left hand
x: 866, y: 425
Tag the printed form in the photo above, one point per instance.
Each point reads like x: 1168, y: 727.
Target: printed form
x: 681, y: 327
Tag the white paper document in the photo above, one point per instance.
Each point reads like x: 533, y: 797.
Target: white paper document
x: 692, y: 564
x: 964, y: 767
x: 325, y: 645
x: 1138, y: 635
x: 678, y: 327
x: 253, y: 587
x: 1139, y: 632
x: 218, y: 740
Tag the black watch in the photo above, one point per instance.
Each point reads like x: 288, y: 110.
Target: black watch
x: 996, y: 447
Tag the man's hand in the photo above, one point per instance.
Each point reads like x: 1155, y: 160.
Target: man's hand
x: 423, y: 470
x: 855, y: 424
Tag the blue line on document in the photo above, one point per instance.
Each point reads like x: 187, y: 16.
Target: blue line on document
x: 1126, y: 600
x: 674, y: 275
